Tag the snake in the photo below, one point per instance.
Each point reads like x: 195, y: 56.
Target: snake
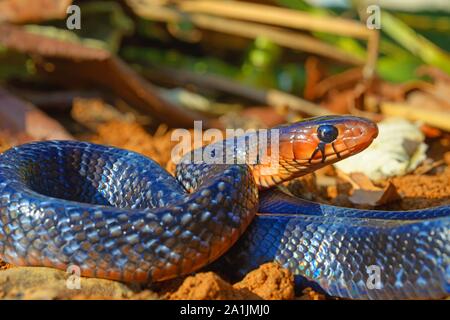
x: 118, y: 215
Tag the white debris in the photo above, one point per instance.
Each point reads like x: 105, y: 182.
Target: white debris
x: 398, y: 149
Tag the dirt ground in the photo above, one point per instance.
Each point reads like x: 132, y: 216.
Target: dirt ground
x: 269, y: 281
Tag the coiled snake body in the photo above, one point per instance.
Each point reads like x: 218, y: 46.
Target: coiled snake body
x: 119, y: 215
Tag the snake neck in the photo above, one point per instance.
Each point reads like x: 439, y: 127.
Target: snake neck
x: 258, y: 149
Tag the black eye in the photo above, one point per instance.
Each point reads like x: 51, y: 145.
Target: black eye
x: 327, y: 133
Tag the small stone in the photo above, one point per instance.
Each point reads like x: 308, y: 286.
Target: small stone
x: 447, y: 157
x: 209, y: 286
x: 310, y: 294
x: 270, y: 282
x: 48, y: 284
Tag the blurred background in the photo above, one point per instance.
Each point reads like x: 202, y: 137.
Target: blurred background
x: 127, y: 73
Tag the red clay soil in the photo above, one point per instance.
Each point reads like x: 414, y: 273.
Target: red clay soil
x: 269, y: 282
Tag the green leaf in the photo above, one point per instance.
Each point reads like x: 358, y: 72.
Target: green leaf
x: 396, y: 69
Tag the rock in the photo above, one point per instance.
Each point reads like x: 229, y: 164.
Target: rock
x: 209, y: 286
x: 447, y: 157
x: 310, y: 294
x: 5, y: 265
x: 270, y: 282
x: 48, y: 283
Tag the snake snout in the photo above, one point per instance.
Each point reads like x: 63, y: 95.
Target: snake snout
x: 308, y: 145
x: 358, y: 134
x: 364, y: 128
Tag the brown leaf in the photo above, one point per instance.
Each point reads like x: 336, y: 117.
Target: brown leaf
x: 430, y: 132
x: 314, y: 74
x: 447, y: 157
x: 99, y: 68
x: 27, y: 121
x: 375, y: 198
x: 432, y: 99
x: 21, y: 11
x: 427, y: 166
x: 91, y: 113
x: 362, y: 181
x: 433, y: 72
x: 339, y: 82
x: 365, y: 193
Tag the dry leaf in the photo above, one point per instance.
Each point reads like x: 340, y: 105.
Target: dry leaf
x: 375, y: 198
x: 27, y: 121
x: 93, y: 112
x: 365, y: 193
x: 362, y: 181
x: 427, y: 166
x: 21, y: 11
x: 99, y: 68
x: 447, y: 157
x: 430, y: 132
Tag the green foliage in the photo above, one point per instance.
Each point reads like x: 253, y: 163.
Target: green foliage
x: 176, y: 59
x: 402, y: 49
x: 260, y: 63
x: 398, y: 70
x: 416, y: 44
x: 65, y: 35
x: 403, y: 46
x: 14, y: 65
x: 103, y: 21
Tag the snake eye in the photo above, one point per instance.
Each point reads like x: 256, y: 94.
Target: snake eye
x: 327, y: 133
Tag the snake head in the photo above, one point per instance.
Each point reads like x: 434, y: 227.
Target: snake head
x: 308, y: 145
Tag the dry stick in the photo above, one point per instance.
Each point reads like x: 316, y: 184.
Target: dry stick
x: 276, y: 15
x: 373, y: 43
x: 291, y: 19
x: 24, y: 119
x: 99, y: 68
x: 339, y: 80
x: 272, y: 97
x: 289, y: 39
x: 283, y: 38
x: 438, y: 119
x: 21, y: 11
x: 60, y: 100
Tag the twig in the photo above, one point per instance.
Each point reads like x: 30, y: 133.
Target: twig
x: 85, y: 65
x: 28, y: 121
x: 279, y: 98
x: 277, y: 16
x: 291, y: 19
x: 439, y: 119
x: 415, y: 43
x: 274, y: 98
x: 288, y: 39
x: 338, y: 81
x: 20, y: 11
x: 61, y: 100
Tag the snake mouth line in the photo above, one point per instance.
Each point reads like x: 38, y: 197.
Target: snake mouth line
x: 336, y: 154
x: 329, y: 157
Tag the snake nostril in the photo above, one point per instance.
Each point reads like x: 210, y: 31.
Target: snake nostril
x: 357, y: 131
